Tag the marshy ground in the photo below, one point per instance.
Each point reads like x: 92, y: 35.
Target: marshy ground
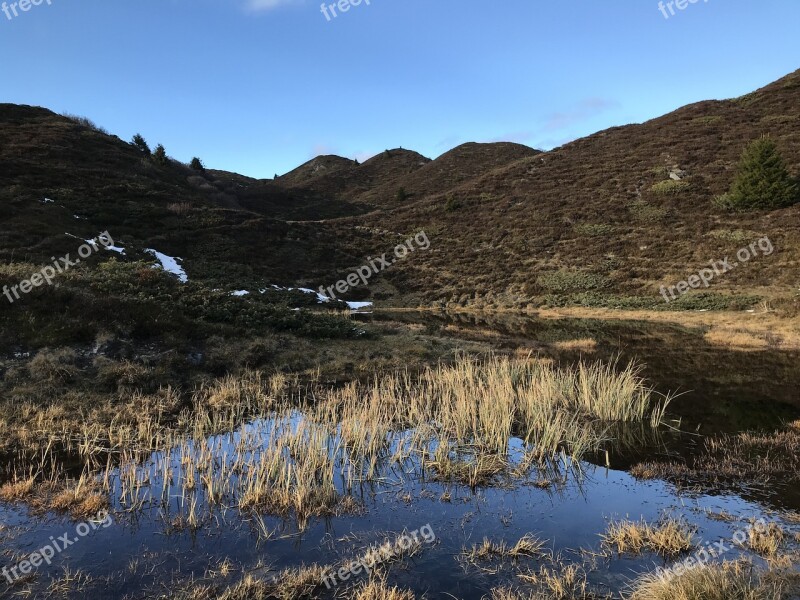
x: 546, y: 466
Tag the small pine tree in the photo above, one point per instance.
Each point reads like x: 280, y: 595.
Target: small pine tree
x: 197, y: 165
x: 402, y: 195
x: 762, y: 180
x: 160, y: 156
x: 141, y: 144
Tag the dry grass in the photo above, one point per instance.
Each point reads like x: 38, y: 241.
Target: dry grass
x: 450, y: 422
x: 585, y: 345
x: 377, y: 589
x: 670, y: 537
x: 559, y: 582
x: 81, y: 499
x: 527, y: 546
x: 748, y: 457
x: 741, y: 339
x: 722, y: 326
x: 17, y: 489
x: 767, y: 540
x: 727, y: 581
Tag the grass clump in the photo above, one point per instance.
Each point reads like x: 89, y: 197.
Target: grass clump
x: 377, y: 589
x: 527, y: 546
x: 765, y: 540
x: 668, y: 538
x: 559, y: 582
x: 754, y: 458
x: 647, y: 213
x: 670, y: 187
x: 725, y: 581
x: 570, y: 281
x: 594, y: 229
x: 738, y: 236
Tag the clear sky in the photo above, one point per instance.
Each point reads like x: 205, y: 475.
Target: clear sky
x: 260, y: 86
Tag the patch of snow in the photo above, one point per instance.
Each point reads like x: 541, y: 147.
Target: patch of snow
x: 240, y: 293
x: 79, y: 217
x: 359, y: 305
x: 170, y: 264
x: 47, y: 201
x: 94, y: 244
x: 321, y: 298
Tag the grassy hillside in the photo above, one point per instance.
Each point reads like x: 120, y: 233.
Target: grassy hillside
x: 601, y: 221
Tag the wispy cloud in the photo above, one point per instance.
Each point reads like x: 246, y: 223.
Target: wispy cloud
x: 323, y: 150
x: 585, y: 110
x: 266, y: 5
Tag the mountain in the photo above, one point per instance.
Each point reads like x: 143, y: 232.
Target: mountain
x: 595, y: 222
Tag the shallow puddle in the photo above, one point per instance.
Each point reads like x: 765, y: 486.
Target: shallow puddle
x: 165, y: 532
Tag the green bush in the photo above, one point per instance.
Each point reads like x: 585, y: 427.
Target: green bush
x: 669, y: 187
x: 197, y: 165
x: 571, y: 281
x: 647, y: 213
x: 762, y: 182
x: 452, y: 204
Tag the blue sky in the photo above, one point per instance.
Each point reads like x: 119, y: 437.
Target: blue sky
x: 260, y: 86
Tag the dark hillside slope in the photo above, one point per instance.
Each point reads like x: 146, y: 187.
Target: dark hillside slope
x: 584, y: 223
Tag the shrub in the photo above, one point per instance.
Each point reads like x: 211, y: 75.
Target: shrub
x: 54, y: 365
x: 452, y: 204
x: 197, y: 165
x: 85, y: 122
x: 141, y: 144
x: 762, y: 181
x: 669, y: 187
x: 571, y: 281
x: 160, y: 156
x: 647, y: 213
x: 402, y: 195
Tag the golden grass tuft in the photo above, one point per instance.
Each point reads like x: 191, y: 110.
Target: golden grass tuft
x: 587, y: 345
x: 670, y: 537
x: 725, y: 581
x: 17, y: 489
x: 527, y: 546
x: 559, y: 582
x: 377, y: 589
x: 765, y: 540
